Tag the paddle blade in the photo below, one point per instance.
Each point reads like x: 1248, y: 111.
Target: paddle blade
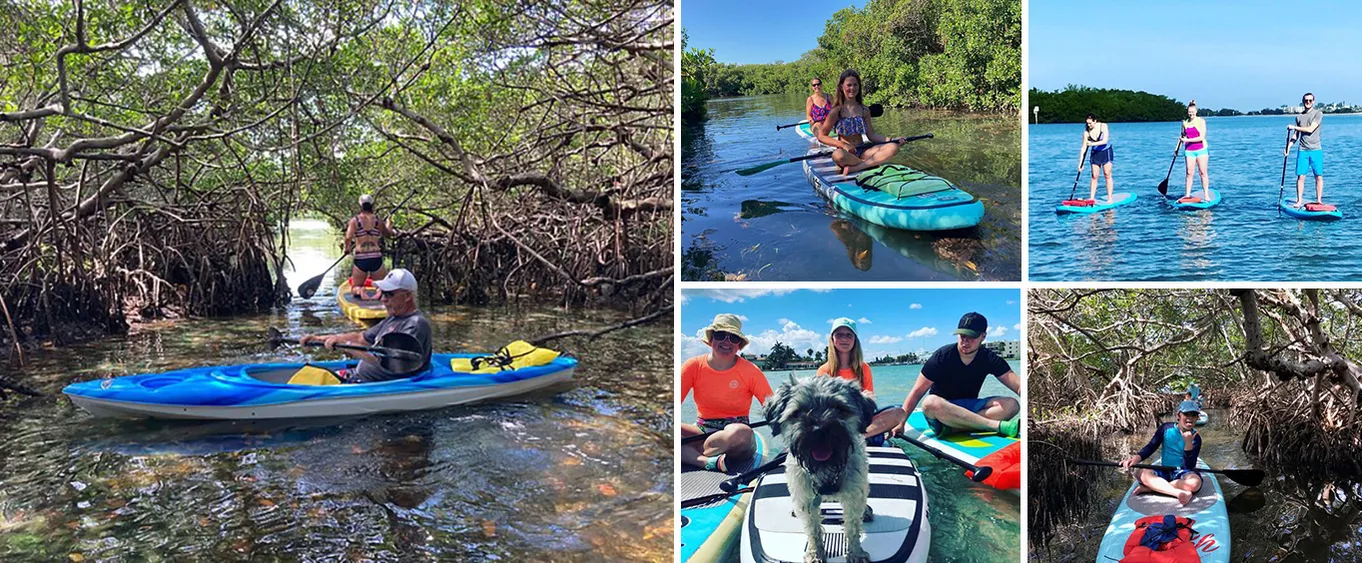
x: 275, y: 338
x: 1163, y: 187
x: 1246, y: 477
x: 405, y: 354
x: 309, y: 287
x: 876, y: 110
x: 761, y: 168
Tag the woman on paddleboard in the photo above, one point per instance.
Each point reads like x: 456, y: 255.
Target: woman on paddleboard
x: 1194, y: 139
x: 817, y: 106
x: 1097, y: 146
x: 851, y: 120
x: 1179, y: 444
x: 724, y: 384
x: 846, y: 361
x: 364, y: 239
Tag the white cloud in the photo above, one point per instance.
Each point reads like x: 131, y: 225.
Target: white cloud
x: 923, y: 332
x: 783, y: 321
x: 997, y: 330
x: 1017, y: 327
x: 742, y: 318
x: 863, y: 321
x: 684, y: 298
x: 884, y: 339
x: 736, y: 295
x: 790, y: 334
x: 1011, y: 301
x: 915, y: 306
x: 692, y: 346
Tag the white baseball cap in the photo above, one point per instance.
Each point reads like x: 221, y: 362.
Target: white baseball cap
x: 397, y: 279
x: 366, y: 198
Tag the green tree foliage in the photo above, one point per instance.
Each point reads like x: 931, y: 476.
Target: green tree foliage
x: 779, y: 355
x: 962, y: 55
x: 1074, y: 103
x: 696, y: 66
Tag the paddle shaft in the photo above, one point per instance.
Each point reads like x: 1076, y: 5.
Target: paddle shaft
x: 1286, y: 153
x: 861, y: 147
x: 731, y: 485
x: 1163, y: 186
x: 699, y: 437
x: 980, y: 472
x: 375, y: 350
x: 1250, y: 477
x: 1081, y: 159
x: 876, y: 110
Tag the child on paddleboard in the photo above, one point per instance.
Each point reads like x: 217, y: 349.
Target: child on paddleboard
x: 1181, y: 445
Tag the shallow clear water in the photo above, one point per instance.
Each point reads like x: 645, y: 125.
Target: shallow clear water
x: 774, y: 226
x: 1302, y: 518
x: 582, y: 472
x: 1244, y: 238
x: 970, y: 522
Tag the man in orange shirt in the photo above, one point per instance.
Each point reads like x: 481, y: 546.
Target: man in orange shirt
x: 724, y: 384
x: 846, y: 360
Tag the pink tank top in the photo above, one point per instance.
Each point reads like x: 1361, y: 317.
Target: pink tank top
x: 1192, y: 133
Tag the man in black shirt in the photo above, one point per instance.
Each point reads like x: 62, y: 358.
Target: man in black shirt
x: 953, y: 376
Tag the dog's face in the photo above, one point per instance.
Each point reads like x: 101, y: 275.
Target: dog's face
x: 822, y: 418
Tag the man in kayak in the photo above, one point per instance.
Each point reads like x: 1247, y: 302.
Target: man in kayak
x: 954, y: 375
x: 364, y: 239
x: 1310, y: 156
x: 399, y: 299
x: 725, y: 384
x: 1181, y: 445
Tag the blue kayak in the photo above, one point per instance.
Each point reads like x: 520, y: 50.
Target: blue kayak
x: 1117, y: 200
x: 1175, y: 200
x: 1311, y: 211
x: 912, y: 201
x: 254, y: 391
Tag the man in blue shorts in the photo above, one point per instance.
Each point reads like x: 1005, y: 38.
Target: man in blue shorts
x: 1310, y: 156
x: 1181, y: 445
x: 949, y: 385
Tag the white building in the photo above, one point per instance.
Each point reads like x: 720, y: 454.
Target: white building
x: 1005, y: 348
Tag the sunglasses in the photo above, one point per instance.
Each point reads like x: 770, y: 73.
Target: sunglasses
x: 816, y: 84
x: 389, y: 294
x: 1309, y: 100
x: 725, y: 337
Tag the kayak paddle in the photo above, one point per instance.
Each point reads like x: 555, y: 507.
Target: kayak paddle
x: 699, y: 437
x: 861, y: 147
x: 397, y: 352
x: 1163, y: 186
x: 981, y: 472
x: 731, y: 485
x: 310, y: 286
x: 1285, y: 154
x: 876, y: 110
x: 1247, y: 477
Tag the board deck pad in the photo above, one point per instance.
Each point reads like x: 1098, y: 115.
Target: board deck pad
x: 1207, y: 510
x: 968, y: 447
x: 709, y: 530
x: 1117, y: 200
x: 1301, y: 213
x: 1202, y: 204
x: 899, y: 531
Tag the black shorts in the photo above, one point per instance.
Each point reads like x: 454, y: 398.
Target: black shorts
x: 369, y: 265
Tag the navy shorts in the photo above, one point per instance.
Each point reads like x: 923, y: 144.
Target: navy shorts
x: 1171, y: 476
x: 972, y: 405
x: 1102, y: 157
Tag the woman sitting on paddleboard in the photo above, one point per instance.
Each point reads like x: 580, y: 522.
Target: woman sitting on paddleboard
x: 818, y: 105
x: 1097, y: 145
x: 725, y: 384
x: 1194, y: 138
x: 1180, y: 445
x: 851, y: 120
x: 846, y: 361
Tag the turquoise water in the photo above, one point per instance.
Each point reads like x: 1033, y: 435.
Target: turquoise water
x: 774, y: 226
x: 970, y: 522
x: 1244, y: 238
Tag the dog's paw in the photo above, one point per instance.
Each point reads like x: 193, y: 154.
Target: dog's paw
x: 858, y: 556
x: 812, y: 555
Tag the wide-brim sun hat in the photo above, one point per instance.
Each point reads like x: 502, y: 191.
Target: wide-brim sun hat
x: 724, y: 322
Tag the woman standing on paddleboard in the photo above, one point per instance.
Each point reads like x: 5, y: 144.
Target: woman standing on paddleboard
x: 1194, y: 139
x: 1097, y: 145
x: 851, y: 120
x: 846, y: 361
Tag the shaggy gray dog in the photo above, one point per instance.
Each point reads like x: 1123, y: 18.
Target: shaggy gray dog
x: 822, y: 419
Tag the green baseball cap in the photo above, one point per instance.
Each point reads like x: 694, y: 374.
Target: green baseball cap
x: 972, y: 325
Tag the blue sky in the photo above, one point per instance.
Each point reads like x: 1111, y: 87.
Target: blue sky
x: 761, y: 31
x: 1244, y: 55
x: 891, y: 321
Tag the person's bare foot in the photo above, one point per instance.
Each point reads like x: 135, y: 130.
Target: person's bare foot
x: 1184, y: 497
x: 1141, y: 489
